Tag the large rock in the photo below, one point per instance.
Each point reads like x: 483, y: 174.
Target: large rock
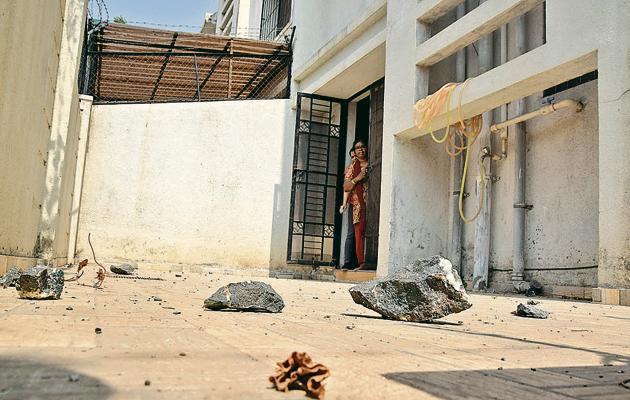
x: 11, y: 277
x: 423, y: 291
x: 40, y: 283
x: 246, y: 296
x: 123, y: 269
x: 530, y: 311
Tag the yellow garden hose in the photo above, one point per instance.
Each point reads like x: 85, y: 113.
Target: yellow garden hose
x: 466, y: 131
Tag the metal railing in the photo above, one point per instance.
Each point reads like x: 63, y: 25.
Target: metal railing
x: 113, y: 77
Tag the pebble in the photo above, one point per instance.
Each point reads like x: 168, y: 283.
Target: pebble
x: 74, y: 377
x: 147, y: 383
x: 98, y: 331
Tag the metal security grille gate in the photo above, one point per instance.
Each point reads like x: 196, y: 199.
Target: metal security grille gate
x: 314, y: 223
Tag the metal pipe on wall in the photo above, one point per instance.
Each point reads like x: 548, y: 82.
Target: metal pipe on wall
x: 455, y: 222
x: 482, y: 223
x: 520, y: 164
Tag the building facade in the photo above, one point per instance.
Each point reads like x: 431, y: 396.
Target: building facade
x: 555, y: 207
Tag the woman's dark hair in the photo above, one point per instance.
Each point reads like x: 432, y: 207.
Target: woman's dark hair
x: 359, y: 141
x: 351, y: 150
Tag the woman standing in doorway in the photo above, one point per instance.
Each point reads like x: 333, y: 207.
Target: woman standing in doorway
x: 356, y: 184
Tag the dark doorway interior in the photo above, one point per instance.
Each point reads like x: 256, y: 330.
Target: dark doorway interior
x: 362, y: 124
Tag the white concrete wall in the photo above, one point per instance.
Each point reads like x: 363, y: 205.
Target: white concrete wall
x: 196, y: 183
x: 317, y: 22
x: 30, y: 39
x: 40, y: 43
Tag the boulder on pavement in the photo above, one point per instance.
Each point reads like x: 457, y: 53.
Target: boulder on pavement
x: 530, y: 311
x: 11, y: 277
x: 123, y: 269
x: 423, y: 291
x: 40, y: 283
x: 246, y: 296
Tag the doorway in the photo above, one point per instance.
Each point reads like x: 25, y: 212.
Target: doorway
x: 320, y: 157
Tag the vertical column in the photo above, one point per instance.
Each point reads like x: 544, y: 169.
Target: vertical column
x: 614, y: 162
x: 414, y: 183
x: 67, y: 86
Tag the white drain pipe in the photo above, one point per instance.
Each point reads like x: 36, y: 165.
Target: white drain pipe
x: 455, y: 222
x: 482, y: 223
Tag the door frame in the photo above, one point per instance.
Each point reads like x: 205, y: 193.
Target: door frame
x: 343, y: 124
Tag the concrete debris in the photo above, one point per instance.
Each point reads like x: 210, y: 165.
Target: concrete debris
x: 535, y: 289
x: 529, y: 311
x: 123, y: 269
x: 246, y: 296
x: 423, y: 291
x: 40, y: 283
x: 533, y: 302
x: 11, y: 277
x: 299, y: 372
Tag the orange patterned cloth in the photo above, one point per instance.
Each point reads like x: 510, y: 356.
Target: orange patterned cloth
x: 358, y: 194
x: 299, y: 372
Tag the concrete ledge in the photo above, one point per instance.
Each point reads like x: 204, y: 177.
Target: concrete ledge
x: 348, y: 34
x: 532, y: 72
x: 428, y: 11
x: 618, y: 297
x: 571, y: 292
x: 24, y: 263
x: 354, y: 276
x: 478, y: 23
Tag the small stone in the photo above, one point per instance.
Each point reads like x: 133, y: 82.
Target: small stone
x: 123, y: 269
x: 69, y: 308
x: 182, y: 354
x: 156, y: 298
x: 10, y: 278
x: 502, y: 358
x: 529, y: 311
x: 98, y: 331
x: 40, y: 283
x: 147, y: 383
x: 177, y: 312
x: 500, y: 368
x: 246, y: 296
x: 426, y: 290
x: 533, y: 369
x: 74, y: 377
x: 533, y: 302
x: 178, y: 275
x: 349, y: 327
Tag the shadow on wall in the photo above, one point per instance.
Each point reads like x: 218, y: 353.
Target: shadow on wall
x: 26, y: 379
x: 520, y: 383
x: 282, y: 198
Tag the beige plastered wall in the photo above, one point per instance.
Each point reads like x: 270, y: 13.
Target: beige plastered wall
x: 194, y: 183
x: 35, y: 38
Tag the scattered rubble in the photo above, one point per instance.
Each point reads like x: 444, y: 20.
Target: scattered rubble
x: 535, y: 288
x: 10, y: 278
x: 533, y: 302
x: 530, y: 311
x: 299, y: 372
x: 40, y: 283
x: 123, y: 269
x: 423, y: 291
x: 246, y: 296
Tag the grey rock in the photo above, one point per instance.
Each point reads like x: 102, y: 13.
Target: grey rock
x: 40, y: 283
x: 246, y: 296
x: 11, y: 277
x: 530, y: 311
x: 426, y: 290
x: 123, y: 269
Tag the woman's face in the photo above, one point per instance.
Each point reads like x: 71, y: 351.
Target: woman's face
x: 360, y: 150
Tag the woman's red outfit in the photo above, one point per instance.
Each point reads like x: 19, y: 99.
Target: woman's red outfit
x: 357, y: 198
